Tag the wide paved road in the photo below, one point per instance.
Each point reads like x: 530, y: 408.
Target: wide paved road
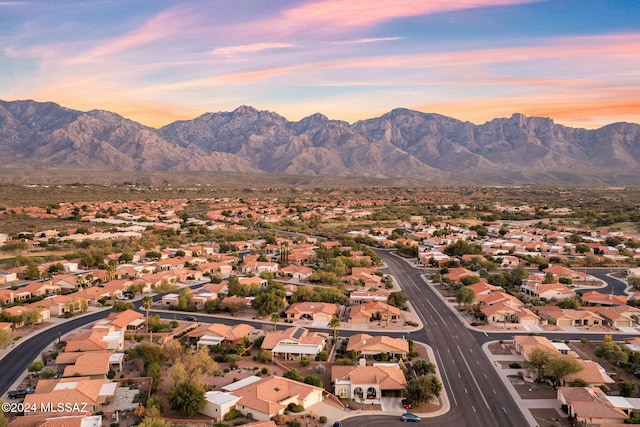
x: 476, y: 393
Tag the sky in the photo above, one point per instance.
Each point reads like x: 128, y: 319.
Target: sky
x: 158, y: 61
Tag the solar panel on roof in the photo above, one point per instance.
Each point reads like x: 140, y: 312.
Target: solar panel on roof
x: 298, y: 333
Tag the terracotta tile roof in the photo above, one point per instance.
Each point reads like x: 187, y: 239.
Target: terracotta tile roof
x: 90, y: 363
x: 124, y: 318
x: 387, y: 377
x: 312, y: 307
x: 265, y: 395
x: 379, y: 344
x: 590, y: 402
x: 228, y: 332
x: 373, y: 307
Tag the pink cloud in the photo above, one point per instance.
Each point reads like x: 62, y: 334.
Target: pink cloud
x: 250, y: 48
x: 338, y: 15
x: 165, y: 24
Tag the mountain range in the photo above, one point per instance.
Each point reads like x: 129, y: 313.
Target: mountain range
x: 401, y: 143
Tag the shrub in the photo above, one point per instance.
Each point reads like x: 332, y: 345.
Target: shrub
x: 322, y: 419
x: 232, y: 415
x: 515, y: 365
x: 322, y: 356
x: 320, y: 369
x: 295, y: 408
x: 265, y: 356
x: 305, y: 361
x: 264, y: 370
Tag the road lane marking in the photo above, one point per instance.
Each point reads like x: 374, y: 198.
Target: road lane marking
x: 446, y: 377
x: 473, y: 377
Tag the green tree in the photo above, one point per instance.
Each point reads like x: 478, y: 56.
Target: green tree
x: 549, y: 278
x: 147, y: 303
x: 333, y: 324
x: 32, y: 272
x: 293, y: 374
x: 398, y: 299
x: 538, y: 361
x: 36, y: 366
x: 422, y: 389
x: 313, y: 380
x: 5, y: 338
x: 562, y: 365
x: 268, y: 303
x: 275, y: 318
x: 423, y: 367
x: 187, y: 398
x: 465, y: 295
x: 30, y: 317
x: 183, y: 298
x: 122, y: 306
x: 569, y: 303
x: 47, y: 373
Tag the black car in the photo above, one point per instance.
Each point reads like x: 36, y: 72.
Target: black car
x: 337, y: 424
x: 190, y: 318
x: 19, y: 393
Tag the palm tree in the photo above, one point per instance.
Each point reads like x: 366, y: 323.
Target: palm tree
x: 334, y: 323
x: 275, y: 318
x: 147, y: 302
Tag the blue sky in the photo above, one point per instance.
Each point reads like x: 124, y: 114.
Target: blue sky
x: 156, y: 61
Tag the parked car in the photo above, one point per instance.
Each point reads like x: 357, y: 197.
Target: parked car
x: 337, y: 424
x: 19, y: 393
x: 405, y: 404
x: 410, y: 417
x: 190, y: 318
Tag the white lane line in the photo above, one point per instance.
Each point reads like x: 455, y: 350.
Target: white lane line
x: 447, y: 378
x: 473, y: 377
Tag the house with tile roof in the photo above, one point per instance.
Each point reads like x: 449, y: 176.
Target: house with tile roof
x: 297, y: 272
x: 294, y: 342
x: 62, y: 391
x: 525, y: 344
x: 92, y: 364
x: 65, y: 419
x: 590, y: 406
x: 95, y: 340
x: 320, y: 312
x: 368, y: 383
x: 220, y: 334
x: 270, y: 396
x: 614, y: 318
x: 578, y: 318
x: 597, y: 298
x: 374, y: 311
x: 127, y: 321
x: 592, y: 373
x: 367, y: 345
x: 549, y: 291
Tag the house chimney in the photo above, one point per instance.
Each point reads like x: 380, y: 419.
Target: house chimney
x: 362, y: 361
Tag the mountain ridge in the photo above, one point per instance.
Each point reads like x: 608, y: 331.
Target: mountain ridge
x: 400, y: 143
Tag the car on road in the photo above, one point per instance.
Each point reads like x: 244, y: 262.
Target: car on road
x: 337, y: 424
x: 190, y: 318
x: 19, y: 393
x: 410, y: 417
